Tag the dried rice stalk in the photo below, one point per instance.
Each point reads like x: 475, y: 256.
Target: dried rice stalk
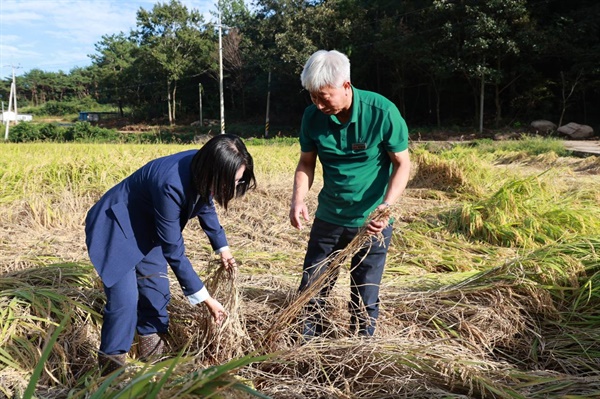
x: 390, y: 367
x: 286, y: 317
x: 230, y: 340
x: 437, y: 173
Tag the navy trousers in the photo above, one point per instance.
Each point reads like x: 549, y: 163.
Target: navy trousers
x: 366, y: 271
x: 136, y: 302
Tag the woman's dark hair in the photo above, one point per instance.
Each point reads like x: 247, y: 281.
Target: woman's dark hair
x: 215, y: 165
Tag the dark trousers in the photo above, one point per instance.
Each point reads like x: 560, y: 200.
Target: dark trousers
x: 366, y: 271
x: 136, y: 302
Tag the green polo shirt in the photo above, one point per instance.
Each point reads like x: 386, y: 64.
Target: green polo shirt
x: 354, y: 156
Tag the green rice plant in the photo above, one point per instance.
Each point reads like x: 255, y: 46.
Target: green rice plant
x: 571, y: 272
x: 535, y: 145
x: 567, y: 339
x: 568, y: 349
x: 47, y: 169
x: 177, y: 377
x: 37, y: 372
x: 513, y: 311
x: 275, y: 162
x: 34, y: 301
x: 527, y: 145
x: 586, y: 301
x: 525, y: 213
x: 54, y: 184
x: 556, y: 286
x: 435, y: 249
x: 460, y: 170
x: 434, y: 172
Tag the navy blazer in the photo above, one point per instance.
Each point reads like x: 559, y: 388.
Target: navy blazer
x: 149, y: 209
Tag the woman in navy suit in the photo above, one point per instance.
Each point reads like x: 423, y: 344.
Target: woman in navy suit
x: 135, y: 230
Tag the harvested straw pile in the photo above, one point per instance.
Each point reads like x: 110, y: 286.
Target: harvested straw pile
x: 477, y: 338
x: 436, y: 173
x: 379, y: 367
x: 333, y: 263
x: 213, y: 344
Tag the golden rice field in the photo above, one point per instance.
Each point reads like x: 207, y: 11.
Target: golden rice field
x: 491, y: 288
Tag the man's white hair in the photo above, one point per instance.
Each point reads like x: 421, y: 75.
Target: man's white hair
x: 325, y: 68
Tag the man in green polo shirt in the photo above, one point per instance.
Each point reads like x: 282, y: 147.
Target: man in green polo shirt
x: 361, y: 140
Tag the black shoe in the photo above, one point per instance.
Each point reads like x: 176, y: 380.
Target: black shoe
x: 311, y: 330
x: 366, y: 331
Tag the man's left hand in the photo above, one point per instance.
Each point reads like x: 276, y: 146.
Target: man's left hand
x: 377, y: 226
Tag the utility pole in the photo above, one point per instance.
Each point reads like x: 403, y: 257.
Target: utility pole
x: 200, y: 101
x: 268, y: 104
x: 12, y: 97
x: 222, y: 102
x: 481, y: 96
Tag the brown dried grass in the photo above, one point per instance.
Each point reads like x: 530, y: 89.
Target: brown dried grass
x: 472, y: 339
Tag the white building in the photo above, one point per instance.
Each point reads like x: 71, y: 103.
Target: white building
x: 11, y: 117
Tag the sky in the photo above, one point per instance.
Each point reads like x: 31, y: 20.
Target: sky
x: 59, y: 35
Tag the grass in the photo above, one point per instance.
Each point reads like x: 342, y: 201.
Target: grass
x: 530, y: 146
x: 491, y: 286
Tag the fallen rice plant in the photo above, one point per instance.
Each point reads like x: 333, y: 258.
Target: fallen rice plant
x: 524, y: 329
x: 524, y: 213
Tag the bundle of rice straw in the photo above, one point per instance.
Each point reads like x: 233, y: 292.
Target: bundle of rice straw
x: 229, y: 340
x: 289, y: 314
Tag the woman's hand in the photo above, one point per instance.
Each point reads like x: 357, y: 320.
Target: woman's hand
x: 229, y: 262
x: 216, y: 310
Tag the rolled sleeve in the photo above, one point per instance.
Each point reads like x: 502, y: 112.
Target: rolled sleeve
x: 199, y: 297
x: 222, y: 249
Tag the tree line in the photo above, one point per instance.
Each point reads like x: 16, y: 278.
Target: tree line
x: 493, y: 63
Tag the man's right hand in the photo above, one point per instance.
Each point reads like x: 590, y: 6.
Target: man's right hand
x: 298, y: 211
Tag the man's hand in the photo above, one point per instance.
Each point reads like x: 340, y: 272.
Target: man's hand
x: 298, y: 211
x: 377, y: 226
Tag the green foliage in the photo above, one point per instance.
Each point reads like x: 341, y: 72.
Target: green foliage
x: 24, y: 131
x: 428, y: 57
x: 80, y: 132
x: 58, y: 108
x: 274, y: 141
x: 173, y: 42
x: 51, y: 132
x: 86, y: 132
x: 28, y: 131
